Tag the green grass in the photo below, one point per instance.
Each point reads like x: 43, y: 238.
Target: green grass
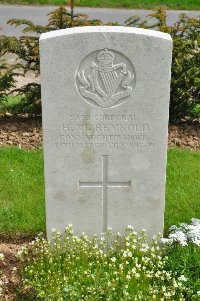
x: 21, y: 191
x: 183, y: 187
x: 147, y: 4
x: 22, y: 208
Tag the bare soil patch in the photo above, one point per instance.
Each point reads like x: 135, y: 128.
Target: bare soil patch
x: 185, y: 136
x: 9, y: 246
x: 23, y: 132
x: 9, y: 278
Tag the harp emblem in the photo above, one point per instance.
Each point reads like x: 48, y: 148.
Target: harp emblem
x: 104, y: 82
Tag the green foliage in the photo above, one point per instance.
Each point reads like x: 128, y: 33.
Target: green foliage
x: 186, y: 260
x: 8, y: 73
x: 113, y: 267
x: 7, y: 78
x: 185, y: 77
x: 10, y: 105
x: 26, y: 50
x: 185, y: 86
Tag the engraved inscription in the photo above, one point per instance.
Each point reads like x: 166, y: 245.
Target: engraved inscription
x: 105, y: 78
x: 104, y: 132
x: 104, y: 184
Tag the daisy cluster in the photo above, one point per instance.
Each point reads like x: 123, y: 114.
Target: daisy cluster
x: 111, y: 267
x: 184, y: 234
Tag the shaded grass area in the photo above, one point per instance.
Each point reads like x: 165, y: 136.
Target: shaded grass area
x: 146, y: 4
x: 22, y: 208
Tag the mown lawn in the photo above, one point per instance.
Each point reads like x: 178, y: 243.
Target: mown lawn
x: 183, y: 187
x: 146, y: 4
x: 22, y: 206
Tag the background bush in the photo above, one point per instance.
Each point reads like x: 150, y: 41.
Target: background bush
x: 185, y: 77
x: 185, y: 83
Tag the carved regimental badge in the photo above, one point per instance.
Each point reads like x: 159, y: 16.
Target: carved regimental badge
x: 105, y: 78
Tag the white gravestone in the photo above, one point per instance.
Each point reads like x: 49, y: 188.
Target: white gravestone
x: 105, y: 99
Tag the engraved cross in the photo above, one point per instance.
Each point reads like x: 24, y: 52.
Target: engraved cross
x: 104, y: 184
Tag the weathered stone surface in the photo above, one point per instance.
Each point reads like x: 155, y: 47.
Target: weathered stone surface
x: 105, y: 98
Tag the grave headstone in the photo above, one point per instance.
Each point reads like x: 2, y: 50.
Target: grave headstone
x: 105, y: 99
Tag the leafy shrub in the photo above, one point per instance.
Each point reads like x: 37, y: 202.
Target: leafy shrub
x: 27, y: 51
x: 122, y: 267
x: 11, y: 105
x: 185, y: 77
x: 6, y: 78
x: 8, y: 74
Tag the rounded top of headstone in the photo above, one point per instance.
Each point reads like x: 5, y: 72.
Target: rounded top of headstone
x: 105, y: 29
